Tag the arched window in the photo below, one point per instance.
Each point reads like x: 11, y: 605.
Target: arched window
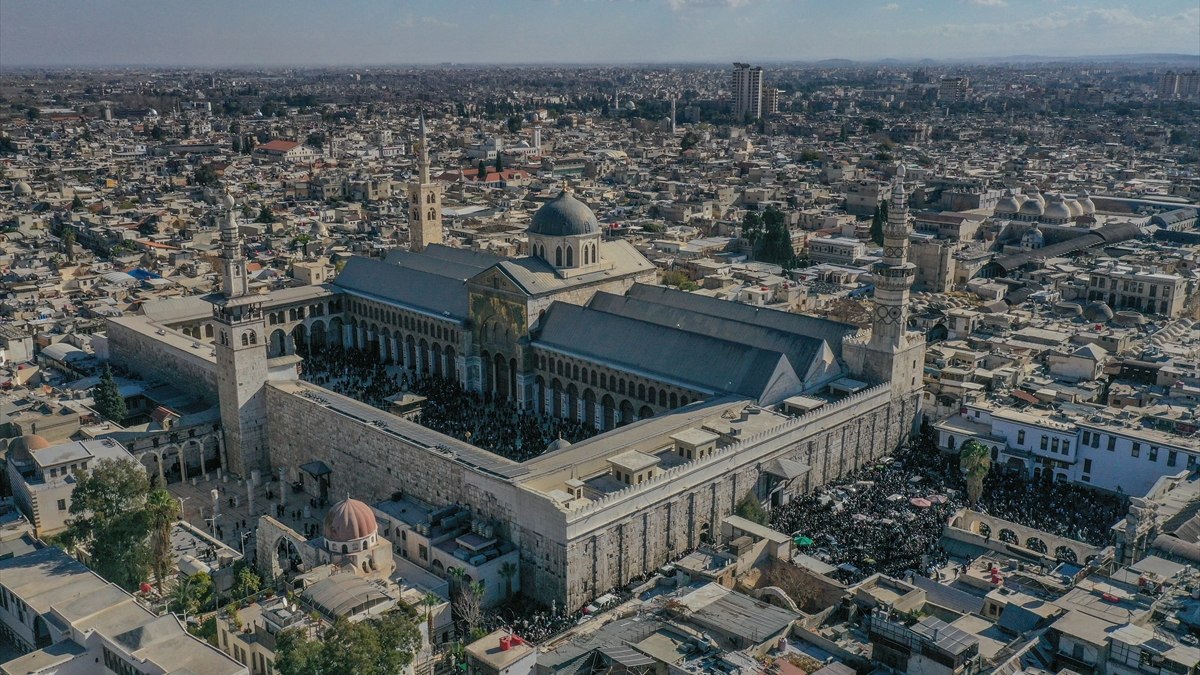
x: 570, y: 256
x: 585, y: 254
x: 432, y: 214
x: 253, y: 338
x: 950, y: 442
x: 245, y: 339
x: 558, y: 257
x: 344, y: 549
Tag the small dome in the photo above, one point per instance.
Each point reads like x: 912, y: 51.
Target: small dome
x: 1032, y: 207
x: 1076, y: 209
x: 1009, y: 204
x: 23, y: 446
x: 227, y: 201
x: 349, y: 520
x: 1057, y: 210
x: 1098, y: 312
x: 1085, y: 203
x: 22, y: 188
x: 564, y: 216
x: 558, y: 444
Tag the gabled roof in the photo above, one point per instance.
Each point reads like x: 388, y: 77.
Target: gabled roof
x: 831, y: 332
x: 693, y: 360
x: 536, y: 277
x: 802, y: 351
x: 413, y: 288
x: 277, y: 146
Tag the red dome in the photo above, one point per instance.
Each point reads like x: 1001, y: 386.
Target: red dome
x: 349, y: 520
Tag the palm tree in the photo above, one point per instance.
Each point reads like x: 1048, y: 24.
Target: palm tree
x: 430, y: 601
x: 974, y: 461
x: 162, y: 510
x: 456, y: 578
x: 508, y: 570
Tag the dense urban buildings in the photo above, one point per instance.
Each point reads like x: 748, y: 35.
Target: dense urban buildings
x: 826, y: 367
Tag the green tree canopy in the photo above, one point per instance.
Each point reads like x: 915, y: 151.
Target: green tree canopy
x: 265, y: 216
x: 752, y: 227
x: 750, y: 509
x: 162, y: 511
x: 107, y: 399
x: 108, y: 517
x: 378, y: 646
x: 775, y: 245
x: 975, y: 460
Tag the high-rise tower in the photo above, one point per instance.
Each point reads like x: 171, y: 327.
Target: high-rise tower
x: 747, y: 84
x: 424, y: 199
x: 892, y: 354
x: 241, y: 349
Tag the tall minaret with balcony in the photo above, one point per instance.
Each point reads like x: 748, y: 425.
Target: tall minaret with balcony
x: 424, y: 200
x: 892, y: 354
x: 241, y: 351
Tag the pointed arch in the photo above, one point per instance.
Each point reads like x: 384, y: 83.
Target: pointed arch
x: 558, y: 257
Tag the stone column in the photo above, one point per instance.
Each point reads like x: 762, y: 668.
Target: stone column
x: 347, y: 336
x: 598, y: 422
x: 383, y: 345
x: 564, y: 404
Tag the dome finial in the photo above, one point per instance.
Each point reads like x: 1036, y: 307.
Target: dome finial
x: 566, y: 185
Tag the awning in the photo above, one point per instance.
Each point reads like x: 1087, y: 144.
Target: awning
x: 316, y: 468
x: 786, y: 468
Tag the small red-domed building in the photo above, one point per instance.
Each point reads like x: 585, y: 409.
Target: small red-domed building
x: 352, y: 539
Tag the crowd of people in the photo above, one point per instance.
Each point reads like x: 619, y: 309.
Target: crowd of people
x: 496, y: 425
x: 889, y: 517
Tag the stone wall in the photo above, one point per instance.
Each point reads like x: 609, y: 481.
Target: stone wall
x: 136, y: 346
x: 570, y: 557
x: 637, y: 529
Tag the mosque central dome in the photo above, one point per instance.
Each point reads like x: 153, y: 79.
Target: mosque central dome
x: 564, y: 216
x: 349, y: 520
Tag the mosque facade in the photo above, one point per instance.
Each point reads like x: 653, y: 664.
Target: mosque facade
x: 686, y: 390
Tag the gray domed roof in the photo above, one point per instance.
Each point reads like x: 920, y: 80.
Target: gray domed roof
x: 1098, y: 312
x: 1031, y: 207
x: 558, y: 444
x: 1057, y: 209
x: 1009, y: 204
x: 23, y: 188
x: 564, y: 216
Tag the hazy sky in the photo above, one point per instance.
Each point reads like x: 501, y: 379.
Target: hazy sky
x: 351, y: 32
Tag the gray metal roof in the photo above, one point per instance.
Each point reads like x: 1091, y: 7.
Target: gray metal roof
x: 406, y: 286
x: 831, y: 332
x: 700, y: 362
x: 438, y: 260
x: 537, y: 277
x: 800, y: 349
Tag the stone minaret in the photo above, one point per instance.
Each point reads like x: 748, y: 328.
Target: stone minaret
x: 892, y: 354
x: 894, y: 274
x: 241, y: 349
x: 425, y: 201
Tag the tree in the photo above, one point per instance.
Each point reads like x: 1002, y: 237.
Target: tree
x: 974, y: 460
x: 752, y: 227
x: 508, y: 570
x: 107, y: 399
x: 877, y: 224
x: 468, y: 606
x: 429, y: 602
x: 108, y: 517
x: 191, y: 594
x: 377, y: 646
x: 315, y: 140
x: 265, y: 216
x: 204, y: 175
x: 246, y: 583
x: 162, y: 511
x: 514, y: 124
x: 689, y: 141
x: 776, y: 243
x: 481, y: 173
x: 499, y: 163
x: 750, y: 509
x: 68, y: 244
x: 76, y: 203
